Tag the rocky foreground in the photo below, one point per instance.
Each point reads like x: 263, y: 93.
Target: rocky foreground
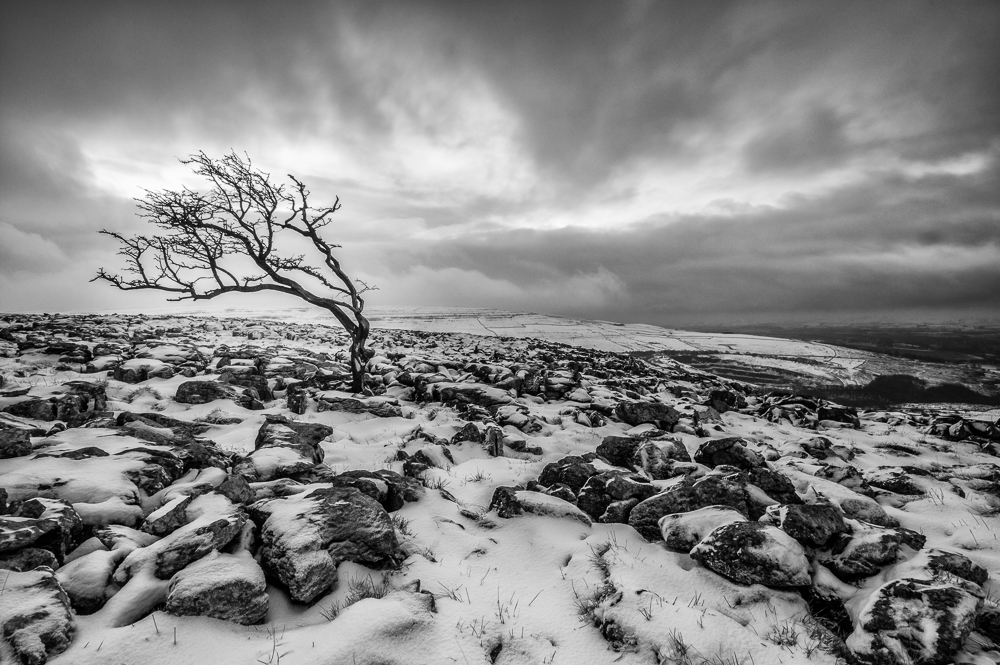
x: 198, y: 490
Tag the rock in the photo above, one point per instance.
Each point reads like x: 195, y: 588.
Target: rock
x: 88, y: 579
x: 47, y: 524
x: 222, y: 586
x: 654, y: 413
x: 688, y: 495
x: 847, y: 475
x: 380, y: 409
x: 167, y: 518
x: 510, y: 502
x: 774, y: 484
x: 304, y: 537
x: 14, y: 443
x: 867, y: 549
x: 909, y: 621
x: 724, y: 400
x: 619, y: 450
x: 754, y: 553
x: 283, y: 449
x: 236, y: 489
x: 188, y: 543
x: 812, y: 525
x: 571, y: 470
x: 988, y: 622
x: 953, y: 563
x: 469, y: 432
x: 892, y: 480
x: 654, y: 462
x: 609, y: 487
x: 28, y: 558
x: 682, y: 531
x: 730, y: 450
x: 203, y: 392
x: 35, y: 616
x: 505, y: 502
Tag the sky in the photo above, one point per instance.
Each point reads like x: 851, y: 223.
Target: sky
x: 674, y: 163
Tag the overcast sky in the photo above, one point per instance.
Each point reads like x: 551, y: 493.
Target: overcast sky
x: 660, y: 162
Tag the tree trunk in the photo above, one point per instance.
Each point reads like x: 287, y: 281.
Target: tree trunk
x: 359, y: 336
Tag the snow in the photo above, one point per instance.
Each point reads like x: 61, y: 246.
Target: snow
x: 510, y: 582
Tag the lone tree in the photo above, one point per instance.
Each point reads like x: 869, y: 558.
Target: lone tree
x: 226, y: 240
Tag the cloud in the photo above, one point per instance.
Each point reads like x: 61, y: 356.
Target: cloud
x: 885, y: 245
x: 27, y: 252
x: 630, y: 159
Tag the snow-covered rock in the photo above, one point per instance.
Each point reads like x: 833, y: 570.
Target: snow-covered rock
x: 682, y: 531
x: 35, y: 616
x: 304, y: 537
x: 223, y: 586
x: 754, y: 553
x: 909, y: 621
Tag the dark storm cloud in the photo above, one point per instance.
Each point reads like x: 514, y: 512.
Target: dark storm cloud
x: 594, y: 108
x: 881, y: 246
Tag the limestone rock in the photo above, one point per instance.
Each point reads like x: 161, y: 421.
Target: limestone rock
x: 654, y: 413
x: 35, y: 616
x: 754, y: 553
x: 186, y: 544
x: 688, y: 495
x: 305, y: 536
x: 868, y: 548
x: 222, y: 586
x: 812, y: 525
x: 909, y: 621
x: 571, y: 470
x: 610, y: 487
x: 730, y: 450
x: 14, y: 443
x: 682, y: 531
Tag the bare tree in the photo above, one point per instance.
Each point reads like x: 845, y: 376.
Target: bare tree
x: 226, y: 240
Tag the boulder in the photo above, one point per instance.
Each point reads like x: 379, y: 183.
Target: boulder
x: 682, y: 531
x: 774, y: 484
x: 167, y: 518
x: 47, y: 524
x: 223, y: 586
x: 14, y: 443
x: 952, y: 563
x: 868, y: 548
x: 571, y: 470
x: 35, y: 616
x: 892, y: 480
x: 305, y: 536
x: 283, y: 449
x: 657, y: 464
x: 88, y: 579
x: 690, y: 494
x: 909, y: 621
x: 619, y: 450
x: 604, y: 489
x: 812, y: 525
x: 731, y: 451
x: 28, y: 558
x: 188, y: 543
x: 654, y: 413
x: 510, y: 502
x: 754, y: 553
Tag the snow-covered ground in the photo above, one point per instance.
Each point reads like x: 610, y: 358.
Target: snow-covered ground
x: 470, y: 580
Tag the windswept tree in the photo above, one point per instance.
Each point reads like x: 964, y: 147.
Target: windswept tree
x: 245, y: 234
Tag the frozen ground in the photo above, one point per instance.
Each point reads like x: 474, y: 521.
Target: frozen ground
x: 471, y: 580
